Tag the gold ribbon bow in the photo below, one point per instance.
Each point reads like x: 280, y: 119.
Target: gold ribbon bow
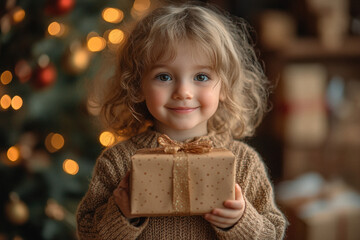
x: 197, y: 146
x: 181, y: 193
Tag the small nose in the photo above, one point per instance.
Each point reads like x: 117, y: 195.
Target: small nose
x: 182, y: 91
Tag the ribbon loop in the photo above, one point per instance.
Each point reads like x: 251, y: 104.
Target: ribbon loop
x: 197, y: 146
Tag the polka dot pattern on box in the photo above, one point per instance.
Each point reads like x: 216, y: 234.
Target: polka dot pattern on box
x: 211, y: 179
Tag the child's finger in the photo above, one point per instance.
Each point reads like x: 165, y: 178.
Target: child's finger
x: 234, y: 204
x: 226, y: 213
x: 238, y: 203
x: 238, y: 192
x: 219, y: 221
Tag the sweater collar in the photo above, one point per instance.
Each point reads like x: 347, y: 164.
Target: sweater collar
x: 148, y: 139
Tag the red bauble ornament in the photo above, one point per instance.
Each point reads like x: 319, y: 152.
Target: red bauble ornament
x: 45, y: 76
x: 59, y: 7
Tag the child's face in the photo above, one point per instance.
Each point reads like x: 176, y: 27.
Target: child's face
x: 182, y: 93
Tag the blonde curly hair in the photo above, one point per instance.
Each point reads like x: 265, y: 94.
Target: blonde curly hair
x: 227, y: 43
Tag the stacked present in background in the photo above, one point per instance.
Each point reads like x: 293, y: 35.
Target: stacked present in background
x: 181, y: 179
x: 302, y: 119
x: 304, y: 103
x: 320, y: 210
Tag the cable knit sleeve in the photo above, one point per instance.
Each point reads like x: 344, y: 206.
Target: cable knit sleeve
x: 98, y: 217
x: 261, y: 218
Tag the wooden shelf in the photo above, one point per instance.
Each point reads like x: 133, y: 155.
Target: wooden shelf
x: 305, y: 49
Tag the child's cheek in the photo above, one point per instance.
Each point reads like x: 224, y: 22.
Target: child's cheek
x: 155, y: 99
x: 209, y: 98
x: 159, y: 98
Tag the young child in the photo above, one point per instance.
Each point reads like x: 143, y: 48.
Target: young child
x: 189, y: 71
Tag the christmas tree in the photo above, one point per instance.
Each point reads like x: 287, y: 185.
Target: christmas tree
x: 49, y: 140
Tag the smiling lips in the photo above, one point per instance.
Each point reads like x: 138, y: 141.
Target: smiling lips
x: 182, y: 109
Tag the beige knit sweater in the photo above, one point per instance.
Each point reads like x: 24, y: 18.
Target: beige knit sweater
x: 98, y: 217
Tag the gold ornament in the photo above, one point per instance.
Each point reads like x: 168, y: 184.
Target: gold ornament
x: 16, y: 210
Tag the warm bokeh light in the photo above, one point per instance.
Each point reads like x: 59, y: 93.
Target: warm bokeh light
x: 116, y: 36
x: 80, y: 59
x: 57, y: 141
x: 18, y: 15
x: 56, y: 29
x: 54, y: 142
x: 13, y: 154
x: 70, y: 167
x: 16, y: 102
x: 112, y: 15
x: 6, y: 77
x: 106, y: 138
x: 139, y: 8
x: 96, y: 44
x: 141, y: 5
x: 5, y: 160
x: 5, y: 101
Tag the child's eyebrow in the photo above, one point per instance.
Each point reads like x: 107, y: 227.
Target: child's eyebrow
x: 203, y: 67
x: 158, y: 65
x: 196, y: 67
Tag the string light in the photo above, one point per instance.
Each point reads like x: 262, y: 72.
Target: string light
x: 70, y: 167
x: 112, y: 15
x: 6, y: 77
x: 57, y: 141
x: 80, y: 59
x: 141, y: 5
x: 18, y: 15
x: 54, y: 142
x: 56, y: 29
x: 106, y: 138
x: 5, y: 101
x: 13, y: 154
x: 16, y: 102
x: 96, y: 44
x: 116, y: 36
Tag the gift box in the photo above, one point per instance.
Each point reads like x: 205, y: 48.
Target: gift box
x: 320, y: 209
x: 181, y: 179
x: 304, y: 110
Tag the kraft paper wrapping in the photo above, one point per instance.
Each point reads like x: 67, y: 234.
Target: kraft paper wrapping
x: 181, y: 183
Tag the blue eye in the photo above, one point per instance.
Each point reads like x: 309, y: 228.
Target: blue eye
x: 201, y: 78
x: 163, y: 77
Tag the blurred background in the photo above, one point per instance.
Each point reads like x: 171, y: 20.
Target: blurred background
x: 52, y: 50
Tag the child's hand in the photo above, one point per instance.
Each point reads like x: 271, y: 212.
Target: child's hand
x: 228, y: 216
x: 121, y: 195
